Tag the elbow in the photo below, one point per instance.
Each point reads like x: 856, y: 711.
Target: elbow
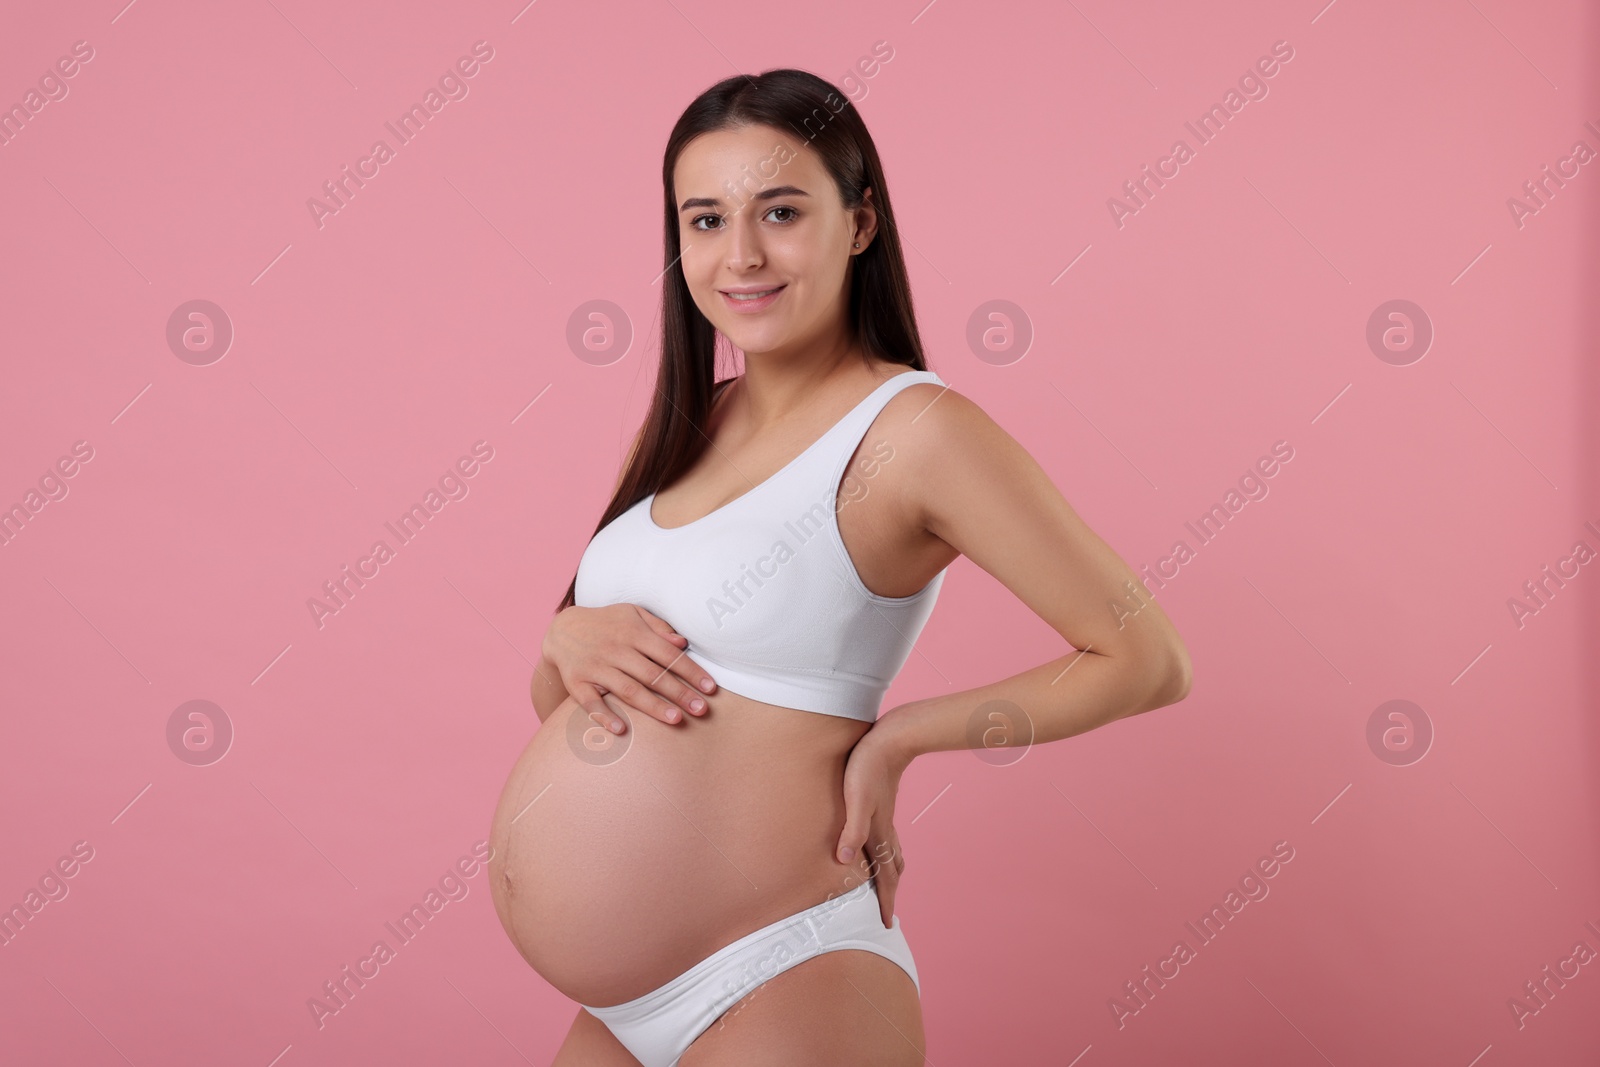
x: 1167, y: 675
x: 1177, y: 677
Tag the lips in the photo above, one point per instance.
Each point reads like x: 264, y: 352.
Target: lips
x: 751, y: 298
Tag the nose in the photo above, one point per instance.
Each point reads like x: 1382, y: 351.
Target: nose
x: 744, y: 241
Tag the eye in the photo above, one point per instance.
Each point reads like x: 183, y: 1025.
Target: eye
x: 694, y: 223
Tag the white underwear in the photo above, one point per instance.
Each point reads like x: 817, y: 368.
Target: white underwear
x: 658, y: 1026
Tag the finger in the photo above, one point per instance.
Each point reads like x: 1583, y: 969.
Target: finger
x: 695, y: 675
x: 588, y: 698
x: 660, y: 625
x: 682, y: 667
x: 670, y: 670
x: 855, y: 831
x: 887, y: 880
x: 894, y: 855
x: 885, y: 856
x: 635, y: 694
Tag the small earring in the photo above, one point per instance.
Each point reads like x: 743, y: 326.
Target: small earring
x: 858, y: 244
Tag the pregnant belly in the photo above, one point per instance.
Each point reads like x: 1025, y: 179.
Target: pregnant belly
x: 620, y: 862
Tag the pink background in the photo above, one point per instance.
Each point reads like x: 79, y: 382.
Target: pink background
x: 432, y: 311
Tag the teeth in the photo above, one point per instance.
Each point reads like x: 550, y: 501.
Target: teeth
x: 753, y: 296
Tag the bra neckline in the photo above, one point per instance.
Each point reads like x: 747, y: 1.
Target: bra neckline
x: 650, y: 500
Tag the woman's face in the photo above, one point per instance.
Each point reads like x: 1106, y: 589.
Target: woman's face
x: 759, y: 211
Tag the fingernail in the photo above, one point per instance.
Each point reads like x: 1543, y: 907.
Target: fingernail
x: 845, y: 854
x: 616, y: 727
x: 697, y: 704
x: 706, y: 684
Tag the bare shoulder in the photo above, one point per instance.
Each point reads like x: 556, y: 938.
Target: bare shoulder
x: 952, y: 456
x: 938, y: 426
x: 968, y: 482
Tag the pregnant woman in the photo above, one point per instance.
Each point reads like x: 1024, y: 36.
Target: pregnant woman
x: 698, y: 845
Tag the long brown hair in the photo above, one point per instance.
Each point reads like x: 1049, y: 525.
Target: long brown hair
x: 880, y: 310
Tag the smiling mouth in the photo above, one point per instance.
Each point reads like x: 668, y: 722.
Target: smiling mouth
x: 751, y: 303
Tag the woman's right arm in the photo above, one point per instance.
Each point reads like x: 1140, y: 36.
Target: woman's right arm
x: 631, y: 656
x: 548, y: 691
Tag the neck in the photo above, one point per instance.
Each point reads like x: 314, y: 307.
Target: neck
x: 775, y: 386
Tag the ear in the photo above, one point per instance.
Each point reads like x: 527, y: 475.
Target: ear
x: 866, y: 223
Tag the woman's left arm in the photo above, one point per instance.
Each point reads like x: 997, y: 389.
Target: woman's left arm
x: 969, y: 483
x: 973, y: 486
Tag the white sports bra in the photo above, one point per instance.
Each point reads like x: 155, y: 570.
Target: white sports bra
x: 763, y: 587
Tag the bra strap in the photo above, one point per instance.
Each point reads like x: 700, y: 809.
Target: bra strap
x: 855, y: 425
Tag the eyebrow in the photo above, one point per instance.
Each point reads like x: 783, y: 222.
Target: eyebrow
x: 765, y: 194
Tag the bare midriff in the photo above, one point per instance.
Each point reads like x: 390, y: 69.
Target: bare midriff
x: 621, y: 861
